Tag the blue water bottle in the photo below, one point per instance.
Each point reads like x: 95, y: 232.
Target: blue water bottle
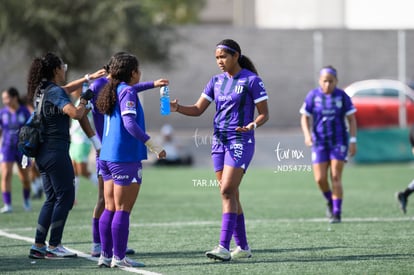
x: 164, y: 101
x: 85, y: 86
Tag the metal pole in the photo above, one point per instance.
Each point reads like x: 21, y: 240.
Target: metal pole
x: 317, y: 52
x: 402, y: 114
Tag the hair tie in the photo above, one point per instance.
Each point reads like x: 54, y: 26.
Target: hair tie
x: 328, y: 71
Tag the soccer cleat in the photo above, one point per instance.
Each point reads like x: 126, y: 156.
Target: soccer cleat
x: 6, y: 209
x: 336, y: 218
x: 126, y: 262
x: 37, y: 252
x: 104, y: 262
x: 129, y: 251
x: 402, y: 200
x: 96, y: 250
x: 219, y: 253
x: 59, y: 252
x: 240, y: 253
x: 329, y: 209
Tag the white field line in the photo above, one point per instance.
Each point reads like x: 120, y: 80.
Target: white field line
x: 248, y: 222
x: 80, y: 253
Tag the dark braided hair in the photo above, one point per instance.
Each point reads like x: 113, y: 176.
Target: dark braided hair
x: 120, y: 70
x: 41, y: 70
x: 244, y: 61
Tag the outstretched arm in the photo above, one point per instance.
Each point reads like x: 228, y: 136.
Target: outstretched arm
x: 192, y: 110
x: 76, y: 84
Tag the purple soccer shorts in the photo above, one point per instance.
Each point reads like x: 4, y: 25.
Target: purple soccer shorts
x: 326, y: 153
x: 122, y: 173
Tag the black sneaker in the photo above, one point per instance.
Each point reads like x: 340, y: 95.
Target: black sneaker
x: 402, y: 200
x: 37, y: 252
x: 336, y: 218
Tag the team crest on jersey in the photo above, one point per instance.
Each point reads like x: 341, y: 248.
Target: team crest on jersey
x: 338, y: 102
x: 130, y: 104
x: 238, y: 89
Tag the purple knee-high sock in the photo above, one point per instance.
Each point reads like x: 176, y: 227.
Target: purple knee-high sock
x: 95, y: 231
x: 7, y: 198
x: 337, y: 206
x: 328, y: 196
x: 228, y: 223
x: 26, y: 194
x: 120, y: 232
x: 105, y: 223
x: 239, y: 233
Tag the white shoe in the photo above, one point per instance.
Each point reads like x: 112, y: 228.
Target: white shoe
x: 96, y: 250
x: 6, y: 209
x: 59, y: 252
x: 219, y: 253
x: 240, y: 253
x: 126, y: 262
x: 104, y: 262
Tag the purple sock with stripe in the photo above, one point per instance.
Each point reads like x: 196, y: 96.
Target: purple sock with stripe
x: 337, y: 206
x: 26, y: 194
x: 105, y: 224
x: 328, y: 196
x: 120, y: 232
x: 228, y: 224
x: 7, y: 198
x: 239, y: 233
x: 96, y: 238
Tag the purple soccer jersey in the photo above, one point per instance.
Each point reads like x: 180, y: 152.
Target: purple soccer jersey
x: 328, y: 112
x: 10, y: 123
x: 235, y: 100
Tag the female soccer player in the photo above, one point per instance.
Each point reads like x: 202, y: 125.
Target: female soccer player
x: 237, y: 92
x: 323, y: 125
x: 45, y: 75
x: 13, y: 116
x: 98, y: 120
x: 124, y: 144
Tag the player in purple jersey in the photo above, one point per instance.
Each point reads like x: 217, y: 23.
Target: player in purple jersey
x: 98, y: 119
x: 124, y: 146
x: 323, y: 124
x: 237, y: 92
x: 13, y: 116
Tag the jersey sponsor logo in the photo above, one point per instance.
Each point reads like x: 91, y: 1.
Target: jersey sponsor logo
x: 224, y: 98
x: 120, y: 177
x: 130, y: 104
x: 338, y: 102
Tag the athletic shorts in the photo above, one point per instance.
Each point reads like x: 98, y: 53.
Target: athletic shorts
x: 79, y: 152
x: 122, y: 173
x: 326, y: 153
x: 10, y: 154
x: 238, y: 155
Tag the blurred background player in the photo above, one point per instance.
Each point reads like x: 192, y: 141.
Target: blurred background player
x: 323, y: 124
x: 402, y: 196
x: 80, y: 148
x: 176, y: 153
x: 13, y: 116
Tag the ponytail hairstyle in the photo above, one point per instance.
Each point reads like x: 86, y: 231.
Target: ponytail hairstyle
x: 111, y: 60
x: 231, y: 47
x: 120, y: 70
x: 12, y: 92
x: 41, y: 70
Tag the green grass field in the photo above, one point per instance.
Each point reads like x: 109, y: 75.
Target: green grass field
x: 177, y: 218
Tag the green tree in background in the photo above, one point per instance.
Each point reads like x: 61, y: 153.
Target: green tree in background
x: 83, y: 30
